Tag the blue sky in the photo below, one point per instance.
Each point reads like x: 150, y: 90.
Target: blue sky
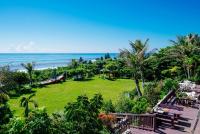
x: 93, y: 25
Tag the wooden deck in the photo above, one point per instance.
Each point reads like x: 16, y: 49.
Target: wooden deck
x: 186, y: 123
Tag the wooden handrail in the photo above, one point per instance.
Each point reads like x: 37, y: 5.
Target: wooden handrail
x: 130, y: 114
x: 141, y: 121
x: 165, y: 98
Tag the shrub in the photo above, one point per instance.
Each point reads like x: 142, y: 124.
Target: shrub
x: 38, y: 122
x: 168, y: 84
x: 108, y: 107
x: 140, y: 106
x: 15, y: 126
x: 151, y: 92
x: 124, y: 104
x: 108, y: 120
x: 5, y: 112
x: 82, y: 115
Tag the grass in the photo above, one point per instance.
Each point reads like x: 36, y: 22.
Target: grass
x: 55, y: 97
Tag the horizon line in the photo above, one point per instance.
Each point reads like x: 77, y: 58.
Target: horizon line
x: 57, y: 52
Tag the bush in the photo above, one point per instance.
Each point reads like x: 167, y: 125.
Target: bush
x: 38, y: 122
x: 5, y: 112
x: 108, y: 120
x: 82, y: 115
x: 124, y: 105
x: 131, y: 94
x: 151, y: 92
x: 15, y: 126
x: 168, y: 84
x: 108, y: 107
x: 195, y: 79
x: 140, y: 106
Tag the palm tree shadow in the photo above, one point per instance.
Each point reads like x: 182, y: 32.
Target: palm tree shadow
x: 88, y: 79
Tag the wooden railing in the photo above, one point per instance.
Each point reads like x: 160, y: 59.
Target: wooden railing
x: 141, y: 121
x: 165, y: 99
x: 144, y: 121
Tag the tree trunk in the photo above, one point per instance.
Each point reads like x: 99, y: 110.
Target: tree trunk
x: 188, y: 73
x: 185, y: 70
x: 142, y: 77
x: 31, y: 80
x: 138, y: 87
x: 26, y: 110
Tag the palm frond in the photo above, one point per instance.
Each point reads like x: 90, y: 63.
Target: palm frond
x: 22, y: 101
x: 31, y: 96
x: 34, y: 103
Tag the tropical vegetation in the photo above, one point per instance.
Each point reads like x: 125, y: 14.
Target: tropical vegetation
x: 158, y: 71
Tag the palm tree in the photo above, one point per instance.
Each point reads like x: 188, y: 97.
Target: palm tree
x: 24, y: 102
x: 29, y: 68
x: 185, y: 47
x: 141, y: 51
x: 135, y: 59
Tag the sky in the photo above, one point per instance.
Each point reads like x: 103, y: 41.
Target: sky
x: 90, y: 26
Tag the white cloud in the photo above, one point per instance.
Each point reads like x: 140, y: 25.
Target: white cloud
x: 23, y: 47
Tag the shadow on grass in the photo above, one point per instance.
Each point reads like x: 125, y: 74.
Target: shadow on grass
x: 15, y: 96
x: 83, y: 80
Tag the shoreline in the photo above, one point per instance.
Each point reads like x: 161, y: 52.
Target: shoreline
x: 46, y: 60
x: 44, y: 68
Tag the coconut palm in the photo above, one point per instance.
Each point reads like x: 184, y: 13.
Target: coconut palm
x: 141, y: 51
x: 185, y: 47
x: 24, y: 102
x: 29, y: 68
x: 135, y: 58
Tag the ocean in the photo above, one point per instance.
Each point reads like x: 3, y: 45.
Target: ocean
x: 45, y: 60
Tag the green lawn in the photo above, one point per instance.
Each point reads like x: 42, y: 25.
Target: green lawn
x: 55, y: 97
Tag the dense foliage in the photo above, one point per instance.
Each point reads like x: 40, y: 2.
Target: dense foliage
x: 80, y: 117
x: 5, y: 112
x: 159, y: 71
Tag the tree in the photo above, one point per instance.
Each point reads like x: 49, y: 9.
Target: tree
x: 11, y: 81
x: 20, y: 78
x: 185, y: 48
x: 5, y: 112
x: 7, y: 82
x: 39, y: 122
x: 78, y: 73
x: 111, y: 67
x: 82, y: 115
x: 74, y: 64
x: 81, y: 60
x: 99, y: 64
x: 24, y: 102
x: 107, y: 56
x: 140, y: 49
x: 29, y: 68
x: 135, y: 60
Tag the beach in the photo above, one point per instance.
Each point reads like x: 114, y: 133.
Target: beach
x: 45, y: 60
